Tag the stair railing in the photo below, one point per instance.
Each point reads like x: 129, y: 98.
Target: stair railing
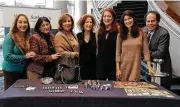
x: 99, y: 6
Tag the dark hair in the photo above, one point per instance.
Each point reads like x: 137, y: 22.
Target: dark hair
x: 158, y: 17
x: 124, y: 29
x: 39, y: 22
x: 82, y: 20
x: 14, y: 28
x: 62, y: 19
x: 115, y: 25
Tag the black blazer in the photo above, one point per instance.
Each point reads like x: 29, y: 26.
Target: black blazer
x: 159, y: 48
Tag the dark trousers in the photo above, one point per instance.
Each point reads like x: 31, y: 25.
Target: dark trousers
x: 11, y: 77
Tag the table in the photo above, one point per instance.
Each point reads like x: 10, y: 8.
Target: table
x: 19, y: 97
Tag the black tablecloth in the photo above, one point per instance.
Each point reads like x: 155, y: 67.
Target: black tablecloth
x: 19, y: 97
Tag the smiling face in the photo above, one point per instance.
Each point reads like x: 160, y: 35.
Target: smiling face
x: 128, y: 21
x: 45, y: 27
x: 22, y: 24
x: 67, y: 24
x: 88, y: 24
x: 107, y: 18
x: 151, y: 21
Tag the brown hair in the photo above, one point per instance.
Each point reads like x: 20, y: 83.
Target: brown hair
x: 14, y: 28
x: 82, y: 20
x: 158, y: 17
x: 62, y: 19
x: 124, y: 29
x: 115, y: 25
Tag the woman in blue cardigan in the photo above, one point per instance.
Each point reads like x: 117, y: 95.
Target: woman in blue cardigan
x: 16, y: 50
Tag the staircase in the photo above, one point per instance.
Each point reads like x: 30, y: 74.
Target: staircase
x: 140, y: 8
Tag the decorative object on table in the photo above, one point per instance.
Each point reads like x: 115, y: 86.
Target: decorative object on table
x: 95, y: 85
x: 56, y: 91
x: 81, y: 92
x: 72, y: 87
x: 52, y: 89
x: 19, y: 86
x: 120, y: 84
x: 46, y: 80
x: 147, y: 92
x: 77, y: 91
x: 85, y: 84
x: 22, y: 86
x: 30, y: 88
x: 68, y: 70
x: 107, y: 86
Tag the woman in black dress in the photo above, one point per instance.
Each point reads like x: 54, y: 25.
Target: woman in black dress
x: 106, y: 42
x: 87, y: 42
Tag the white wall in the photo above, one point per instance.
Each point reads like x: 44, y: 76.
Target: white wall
x: 32, y: 13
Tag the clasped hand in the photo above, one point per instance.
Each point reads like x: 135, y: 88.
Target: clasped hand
x: 30, y: 54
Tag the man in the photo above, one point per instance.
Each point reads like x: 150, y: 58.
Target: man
x: 159, y: 45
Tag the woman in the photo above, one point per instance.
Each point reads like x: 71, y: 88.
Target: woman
x: 131, y: 43
x: 42, y: 43
x: 87, y: 42
x: 66, y: 42
x: 106, y: 42
x: 16, y: 50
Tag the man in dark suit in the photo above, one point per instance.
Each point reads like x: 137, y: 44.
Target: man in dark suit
x: 159, y: 45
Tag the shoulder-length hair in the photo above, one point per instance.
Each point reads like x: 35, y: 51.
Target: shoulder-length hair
x: 124, y: 29
x: 62, y: 19
x: 82, y: 20
x: 115, y: 25
x: 39, y: 22
x: 14, y: 28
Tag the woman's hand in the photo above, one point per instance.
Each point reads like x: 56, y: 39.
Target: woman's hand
x: 55, y: 56
x: 118, y: 74
x: 30, y: 54
x: 75, y: 54
x: 151, y: 70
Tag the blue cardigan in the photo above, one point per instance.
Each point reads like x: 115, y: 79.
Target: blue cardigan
x: 14, y: 59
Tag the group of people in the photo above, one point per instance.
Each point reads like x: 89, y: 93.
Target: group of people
x: 112, y: 52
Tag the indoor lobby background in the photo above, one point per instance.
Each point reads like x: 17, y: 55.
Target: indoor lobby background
x: 169, y: 11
